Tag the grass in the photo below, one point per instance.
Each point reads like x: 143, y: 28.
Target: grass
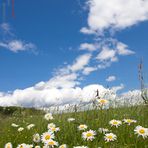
x: 69, y: 133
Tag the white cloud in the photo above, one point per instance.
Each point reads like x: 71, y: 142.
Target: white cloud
x: 50, y: 96
x: 122, y: 49
x: 81, y: 62
x: 87, y: 31
x: 106, y: 54
x: 111, y: 78
x: 115, y: 14
x: 17, y: 45
x: 88, y: 70
x: 88, y: 46
x: 117, y: 88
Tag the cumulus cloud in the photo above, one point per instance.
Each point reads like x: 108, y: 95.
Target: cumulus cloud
x: 111, y: 78
x: 32, y: 97
x: 115, y: 14
x: 17, y: 45
x: 88, y: 46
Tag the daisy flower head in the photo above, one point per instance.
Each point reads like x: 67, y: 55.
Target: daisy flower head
x: 115, y: 123
x: 82, y: 127
x: 48, y: 116
x: 129, y: 121
x: 36, y: 138
x: 51, y: 125
x: 20, y: 129
x: 37, y: 146
x: 52, y: 143
x: 89, y: 135
x: 29, y: 146
x: 14, y: 125
x: 63, y: 146
x: 30, y: 126
x: 141, y: 131
x: 23, y: 145
x: 110, y: 137
x: 70, y: 119
x: 103, y: 130
x: 47, y: 136
x: 54, y: 129
x: 80, y: 147
x: 8, y: 145
x: 102, y: 102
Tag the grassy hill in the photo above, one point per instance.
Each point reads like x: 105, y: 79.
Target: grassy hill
x: 69, y: 133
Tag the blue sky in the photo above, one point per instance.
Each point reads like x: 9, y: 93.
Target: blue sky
x: 53, y: 28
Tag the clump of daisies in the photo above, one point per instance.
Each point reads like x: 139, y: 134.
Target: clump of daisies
x: 103, y: 130
x: 110, y: 137
x: 70, y: 119
x: 30, y: 126
x: 63, y: 146
x: 82, y: 127
x: 52, y: 128
x: 36, y: 138
x: 89, y: 135
x: 129, y: 121
x: 8, y: 145
x: 115, y: 123
x: 48, y: 116
x: 141, y: 131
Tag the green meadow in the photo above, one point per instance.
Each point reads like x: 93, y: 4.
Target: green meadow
x: 69, y: 133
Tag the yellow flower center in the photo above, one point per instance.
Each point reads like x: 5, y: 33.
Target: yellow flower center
x: 88, y: 134
x: 81, y: 126
x: 9, y: 146
x: 141, y: 131
x: 129, y: 120
x: 47, y: 137
x: 102, y: 101
x: 110, y: 137
x: 51, y: 143
x: 115, y: 122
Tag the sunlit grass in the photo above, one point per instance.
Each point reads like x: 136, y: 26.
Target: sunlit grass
x: 69, y: 133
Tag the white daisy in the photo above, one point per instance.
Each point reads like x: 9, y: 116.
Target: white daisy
x: 129, y: 121
x: 37, y: 146
x: 54, y: 129
x: 115, y: 123
x: 48, y: 116
x: 89, y: 135
x: 20, y: 129
x: 102, y: 102
x: 141, y: 131
x: 23, y: 145
x: 47, y: 136
x: 36, y: 138
x: 82, y: 127
x: 70, y: 119
x: 51, y: 125
x: 110, y: 137
x: 63, y: 146
x: 14, y: 125
x: 80, y: 147
x: 52, y: 143
x: 8, y: 145
x: 30, y: 126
